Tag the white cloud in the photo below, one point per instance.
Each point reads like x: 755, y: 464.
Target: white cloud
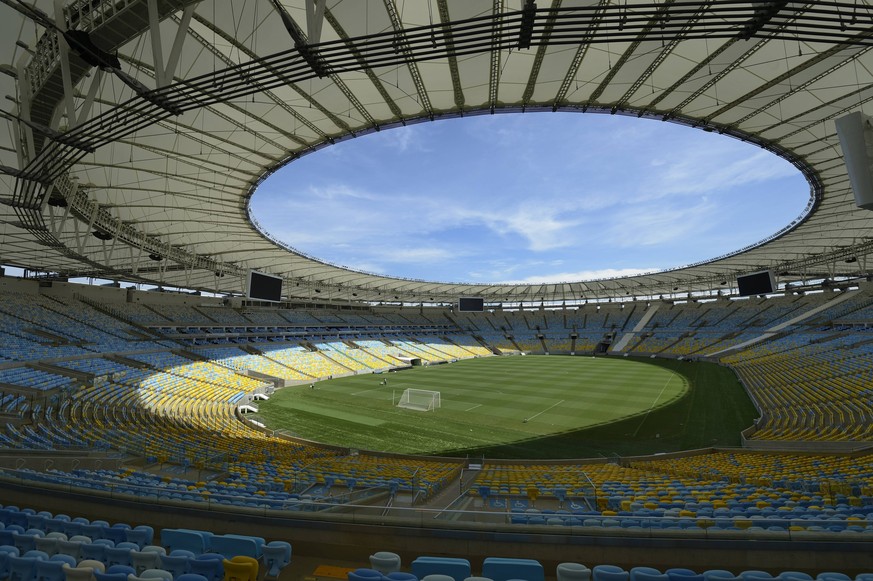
x: 700, y: 170
x: 334, y: 192
x: 658, y: 224
x: 582, y: 275
x: 405, y: 138
x: 541, y: 225
x: 370, y: 267
x: 414, y: 255
x: 504, y: 199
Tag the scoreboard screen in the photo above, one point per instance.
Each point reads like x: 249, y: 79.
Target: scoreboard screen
x: 471, y: 305
x: 264, y: 287
x: 757, y: 283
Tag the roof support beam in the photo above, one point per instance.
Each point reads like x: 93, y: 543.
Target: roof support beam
x: 269, y: 94
x: 494, y: 73
x: 541, y: 51
x: 314, y: 20
x: 450, y: 49
x: 420, y: 89
x: 374, y: 78
x: 663, y: 10
x: 164, y: 73
x: 64, y: 54
x: 581, y: 51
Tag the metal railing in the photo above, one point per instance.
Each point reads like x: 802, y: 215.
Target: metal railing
x: 545, y: 523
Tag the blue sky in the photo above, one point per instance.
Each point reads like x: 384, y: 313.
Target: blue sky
x: 534, y: 197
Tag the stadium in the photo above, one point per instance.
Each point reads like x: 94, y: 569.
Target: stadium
x: 186, y: 395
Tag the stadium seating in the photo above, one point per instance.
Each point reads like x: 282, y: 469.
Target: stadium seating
x: 117, y: 389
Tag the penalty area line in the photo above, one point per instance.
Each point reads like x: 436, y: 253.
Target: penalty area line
x: 651, y: 407
x: 365, y: 391
x: 474, y: 407
x: 526, y: 420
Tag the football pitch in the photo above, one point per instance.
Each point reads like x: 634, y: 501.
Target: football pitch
x: 522, y: 407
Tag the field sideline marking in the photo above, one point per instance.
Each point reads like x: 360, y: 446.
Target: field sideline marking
x: 651, y: 407
x: 474, y: 407
x: 544, y: 411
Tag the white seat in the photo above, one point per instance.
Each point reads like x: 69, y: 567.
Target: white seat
x: 157, y: 574
x: 573, y: 572
x: 385, y: 562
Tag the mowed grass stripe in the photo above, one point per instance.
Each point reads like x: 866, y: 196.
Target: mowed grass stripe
x: 484, y: 403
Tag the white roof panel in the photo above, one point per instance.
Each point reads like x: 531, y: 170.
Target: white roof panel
x: 176, y: 161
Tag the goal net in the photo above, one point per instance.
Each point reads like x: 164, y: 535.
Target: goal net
x: 423, y: 400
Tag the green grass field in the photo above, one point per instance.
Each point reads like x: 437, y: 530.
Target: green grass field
x: 575, y: 407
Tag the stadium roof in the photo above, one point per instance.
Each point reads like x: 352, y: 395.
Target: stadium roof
x: 137, y: 130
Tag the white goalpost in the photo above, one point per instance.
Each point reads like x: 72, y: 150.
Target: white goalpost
x: 423, y: 400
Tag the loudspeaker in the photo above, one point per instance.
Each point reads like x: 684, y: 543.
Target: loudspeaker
x: 856, y: 138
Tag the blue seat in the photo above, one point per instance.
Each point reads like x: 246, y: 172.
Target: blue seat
x: 36, y: 521
x: 72, y: 528
x: 50, y: 570
x: 116, y: 534
x: 680, y: 574
x: 609, y: 573
x: 22, y: 568
x: 175, y: 564
x: 503, y: 569
x: 93, y: 551
x: 64, y: 559
x: 17, y: 517
x: 366, y: 575
x: 5, y: 552
x: 277, y: 556
x: 833, y: 576
x: 458, y: 569
x: 719, y: 575
x: 647, y: 574
x: 54, y: 525
x: 755, y: 575
x: 198, y: 542
x: 95, y: 531
x: 401, y: 576
x: 98, y: 576
x: 236, y: 545
x: 208, y: 565
x: 117, y: 556
x: 142, y: 535
x: 191, y: 577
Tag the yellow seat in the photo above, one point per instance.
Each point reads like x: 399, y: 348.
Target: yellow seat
x: 240, y: 568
